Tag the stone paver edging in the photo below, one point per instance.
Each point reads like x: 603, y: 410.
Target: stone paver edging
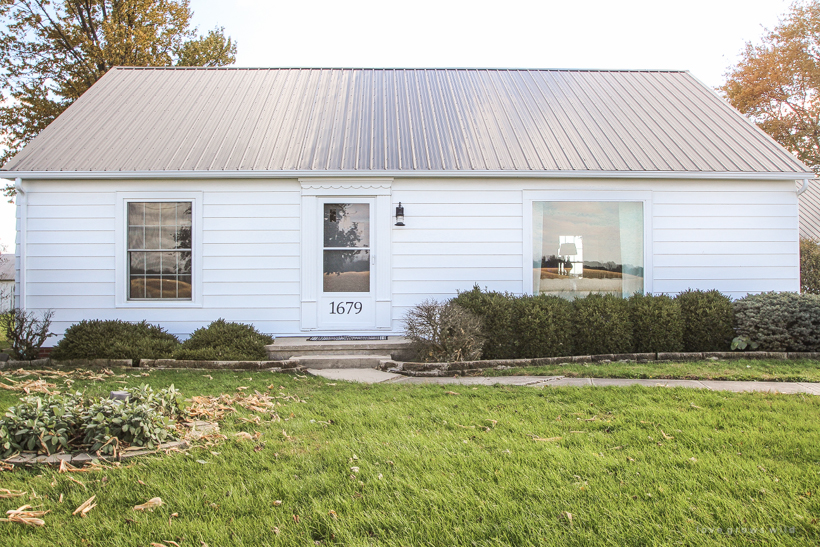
x: 446, y: 369
x: 272, y: 366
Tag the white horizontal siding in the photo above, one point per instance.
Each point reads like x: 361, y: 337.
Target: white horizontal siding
x: 250, y: 260
x: 272, y: 235
x: 734, y: 236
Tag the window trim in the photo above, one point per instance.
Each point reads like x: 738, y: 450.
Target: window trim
x: 121, y: 268
x: 643, y: 196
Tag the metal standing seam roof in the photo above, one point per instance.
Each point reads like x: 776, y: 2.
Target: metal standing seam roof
x: 401, y: 120
x: 809, y: 202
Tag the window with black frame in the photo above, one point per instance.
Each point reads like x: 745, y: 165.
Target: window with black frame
x: 159, y: 250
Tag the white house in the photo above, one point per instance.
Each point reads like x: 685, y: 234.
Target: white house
x: 6, y: 282
x: 270, y: 196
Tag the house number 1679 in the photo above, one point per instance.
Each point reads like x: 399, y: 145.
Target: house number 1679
x: 345, y: 308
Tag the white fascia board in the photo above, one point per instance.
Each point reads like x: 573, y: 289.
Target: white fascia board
x: 78, y: 175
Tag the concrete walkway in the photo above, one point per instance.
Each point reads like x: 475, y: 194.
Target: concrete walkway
x: 373, y: 376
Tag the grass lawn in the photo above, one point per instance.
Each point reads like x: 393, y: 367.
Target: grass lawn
x: 453, y: 465
x: 803, y: 370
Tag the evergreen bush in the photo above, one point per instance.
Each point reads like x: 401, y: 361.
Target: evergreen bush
x: 601, y: 324
x: 225, y: 341
x: 708, y: 320
x: 115, y: 339
x: 496, y: 313
x: 542, y: 326
x: 656, y: 323
x: 784, y: 321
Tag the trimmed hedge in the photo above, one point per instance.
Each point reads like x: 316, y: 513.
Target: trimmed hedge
x: 601, y: 324
x: 656, y: 323
x: 783, y: 321
x: 708, y: 320
x: 225, y: 341
x: 542, y: 326
x: 496, y: 313
x: 521, y: 327
x: 115, y: 339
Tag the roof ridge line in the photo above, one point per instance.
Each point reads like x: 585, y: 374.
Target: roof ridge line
x: 494, y: 69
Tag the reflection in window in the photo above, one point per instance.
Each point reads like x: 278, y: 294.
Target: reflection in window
x: 345, y: 254
x: 582, y: 247
x: 159, y: 250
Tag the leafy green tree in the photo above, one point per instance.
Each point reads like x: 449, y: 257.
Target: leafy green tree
x: 777, y: 83
x: 52, y: 51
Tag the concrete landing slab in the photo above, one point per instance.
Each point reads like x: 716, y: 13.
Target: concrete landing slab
x: 362, y: 375
x: 359, y: 362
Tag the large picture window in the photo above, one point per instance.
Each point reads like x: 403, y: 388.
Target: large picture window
x: 583, y: 247
x: 159, y: 250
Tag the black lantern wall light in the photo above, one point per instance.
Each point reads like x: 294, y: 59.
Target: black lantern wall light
x: 399, y: 215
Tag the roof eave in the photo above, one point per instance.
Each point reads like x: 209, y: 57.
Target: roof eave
x: 719, y: 175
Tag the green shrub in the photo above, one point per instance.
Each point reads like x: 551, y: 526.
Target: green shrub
x: 443, y: 332
x: 167, y: 402
x: 783, y: 321
x: 541, y: 326
x: 601, y: 324
x: 496, y: 313
x: 656, y: 323
x: 107, y: 423
x: 708, y: 320
x: 115, y: 339
x: 56, y: 423
x: 225, y: 341
x: 41, y: 424
x: 809, y: 266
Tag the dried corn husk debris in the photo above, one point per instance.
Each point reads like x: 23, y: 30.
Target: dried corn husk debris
x: 86, y: 506
x: 24, y: 515
x: 215, y: 408
x: 30, y: 386
x: 149, y: 505
x: 40, y: 384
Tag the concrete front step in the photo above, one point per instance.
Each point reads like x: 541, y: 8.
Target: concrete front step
x: 339, y: 361
x: 395, y: 347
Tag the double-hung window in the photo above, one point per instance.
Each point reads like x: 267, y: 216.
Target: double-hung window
x: 159, y: 253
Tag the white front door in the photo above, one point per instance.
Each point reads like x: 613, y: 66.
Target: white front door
x: 346, y: 280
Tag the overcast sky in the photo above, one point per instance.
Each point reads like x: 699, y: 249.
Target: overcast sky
x: 702, y: 36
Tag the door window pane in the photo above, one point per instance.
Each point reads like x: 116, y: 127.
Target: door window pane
x: 346, y: 271
x: 584, y: 247
x: 347, y: 225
